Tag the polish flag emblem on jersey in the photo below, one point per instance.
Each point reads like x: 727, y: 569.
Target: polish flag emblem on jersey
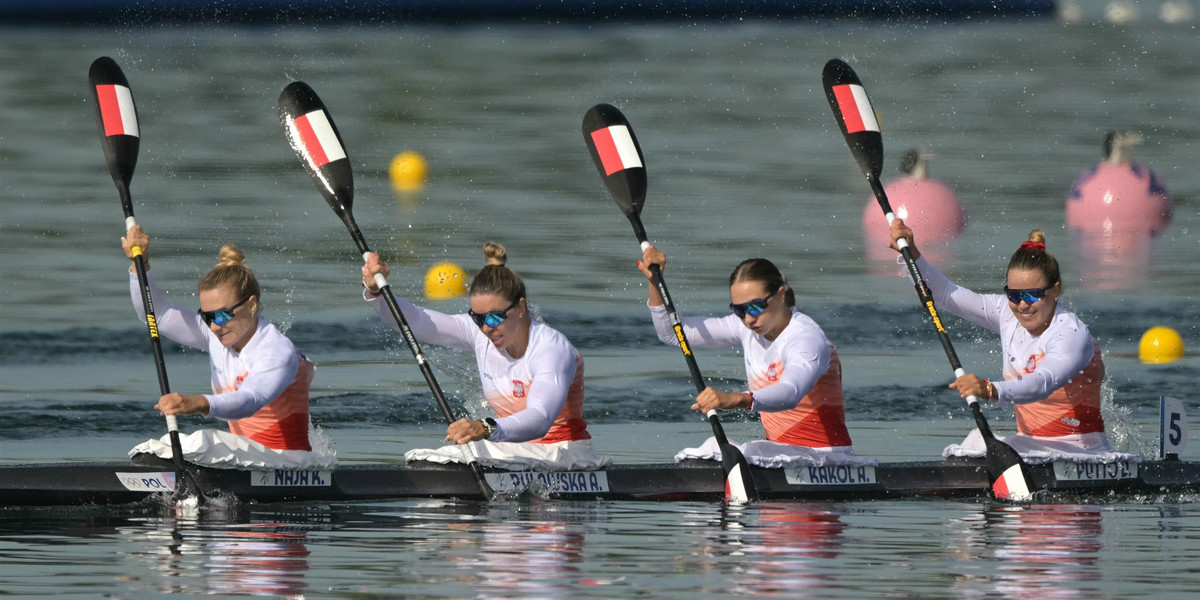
x: 117, y: 111
x: 616, y: 149
x: 855, y: 108
x: 518, y: 388
x: 316, y: 135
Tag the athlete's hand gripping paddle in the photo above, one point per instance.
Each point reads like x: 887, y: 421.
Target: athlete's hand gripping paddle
x: 311, y: 132
x: 618, y: 157
x: 860, y: 126
x: 120, y: 138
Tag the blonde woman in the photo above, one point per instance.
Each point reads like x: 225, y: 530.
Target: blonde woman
x: 260, y: 381
x: 532, y: 376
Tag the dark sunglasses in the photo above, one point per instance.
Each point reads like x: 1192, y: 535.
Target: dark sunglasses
x: 220, y: 316
x: 494, y: 318
x: 753, y: 307
x: 1031, y: 296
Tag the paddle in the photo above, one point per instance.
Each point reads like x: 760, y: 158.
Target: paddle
x: 120, y: 137
x: 858, y: 122
x: 618, y: 157
x: 314, y: 137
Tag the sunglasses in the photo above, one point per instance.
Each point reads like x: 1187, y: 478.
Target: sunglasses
x: 753, y: 307
x: 220, y: 316
x: 1031, y: 296
x: 492, y: 319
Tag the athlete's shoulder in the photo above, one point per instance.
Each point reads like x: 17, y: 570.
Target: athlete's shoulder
x: 1068, y: 321
x: 269, y: 341
x: 803, y: 326
x: 545, y: 337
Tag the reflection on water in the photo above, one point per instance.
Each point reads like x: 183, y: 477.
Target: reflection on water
x: 1043, y: 551
x: 1113, y: 260
x: 529, y: 559
x: 791, y: 544
x: 220, y: 551
x: 550, y: 549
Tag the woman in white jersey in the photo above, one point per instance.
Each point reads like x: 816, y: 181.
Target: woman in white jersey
x: 794, y: 376
x: 260, y: 381
x: 1052, y: 367
x: 531, y: 374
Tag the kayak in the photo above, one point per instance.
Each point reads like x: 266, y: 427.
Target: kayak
x: 147, y: 478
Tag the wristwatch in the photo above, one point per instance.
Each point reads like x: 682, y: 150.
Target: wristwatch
x: 489, y: 427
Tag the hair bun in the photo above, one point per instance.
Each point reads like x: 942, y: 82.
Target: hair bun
x: 494, y: 254
x: 230, y: 256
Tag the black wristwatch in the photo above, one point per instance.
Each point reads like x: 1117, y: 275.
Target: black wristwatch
x: 489, y: 427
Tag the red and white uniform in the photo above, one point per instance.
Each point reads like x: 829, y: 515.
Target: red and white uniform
x: 1053, y: 380
x: 262, y: 391
x: 796, y: 379
x: 538, y: 397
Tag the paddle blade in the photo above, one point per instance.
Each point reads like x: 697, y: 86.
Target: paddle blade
x: 617, y: 155
x: 1007, y: 472
x: 739, y: 482
x: 311, y: 132
x: 117, y: 119
x: 855, y: 116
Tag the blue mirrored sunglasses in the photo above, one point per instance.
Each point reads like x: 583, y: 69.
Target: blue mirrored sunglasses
x: 220, y: 316
x: 494, y: 318
x: 753, y: 307
x: 1031, y: 296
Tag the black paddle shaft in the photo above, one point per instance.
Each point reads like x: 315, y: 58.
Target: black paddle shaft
x: 120, y: 138
x: 622, y: 167
x: 318, y: 144
x: 405, y: 331
x: 923, y: 292
x: 677, y: 327
x: 860, y: 128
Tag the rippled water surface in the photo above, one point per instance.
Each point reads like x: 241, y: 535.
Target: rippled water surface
x: 744, y: 160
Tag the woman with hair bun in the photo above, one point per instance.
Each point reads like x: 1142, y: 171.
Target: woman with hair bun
x: 1052, y: 366
x: 532, y: 376
x: 260, y: 381
x: 794, y: 376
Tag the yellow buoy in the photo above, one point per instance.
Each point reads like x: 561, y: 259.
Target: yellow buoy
x: 408, y: 171
x: 445, y: 280
x: 1160, y: 345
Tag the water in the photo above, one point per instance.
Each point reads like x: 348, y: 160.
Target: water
x: 744, y: 159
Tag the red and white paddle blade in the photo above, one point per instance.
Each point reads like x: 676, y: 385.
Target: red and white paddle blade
x: 1012, y: 485
x: 116, y: 116
x: 855, y: 116
x: 618, y: 156
x: 314, y: 137
x: 735, y: 486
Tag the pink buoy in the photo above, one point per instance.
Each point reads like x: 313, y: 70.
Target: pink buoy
x: 929, y: 206
x: 1119, y: 194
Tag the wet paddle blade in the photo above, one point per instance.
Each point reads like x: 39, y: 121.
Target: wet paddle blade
x: 617, y: 155
x: 312, y: 134
x: 855, y: 116
x: 739, y: 482
x: 116, y: 116
x: 1012, y: 485
x: 1006, y: 470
